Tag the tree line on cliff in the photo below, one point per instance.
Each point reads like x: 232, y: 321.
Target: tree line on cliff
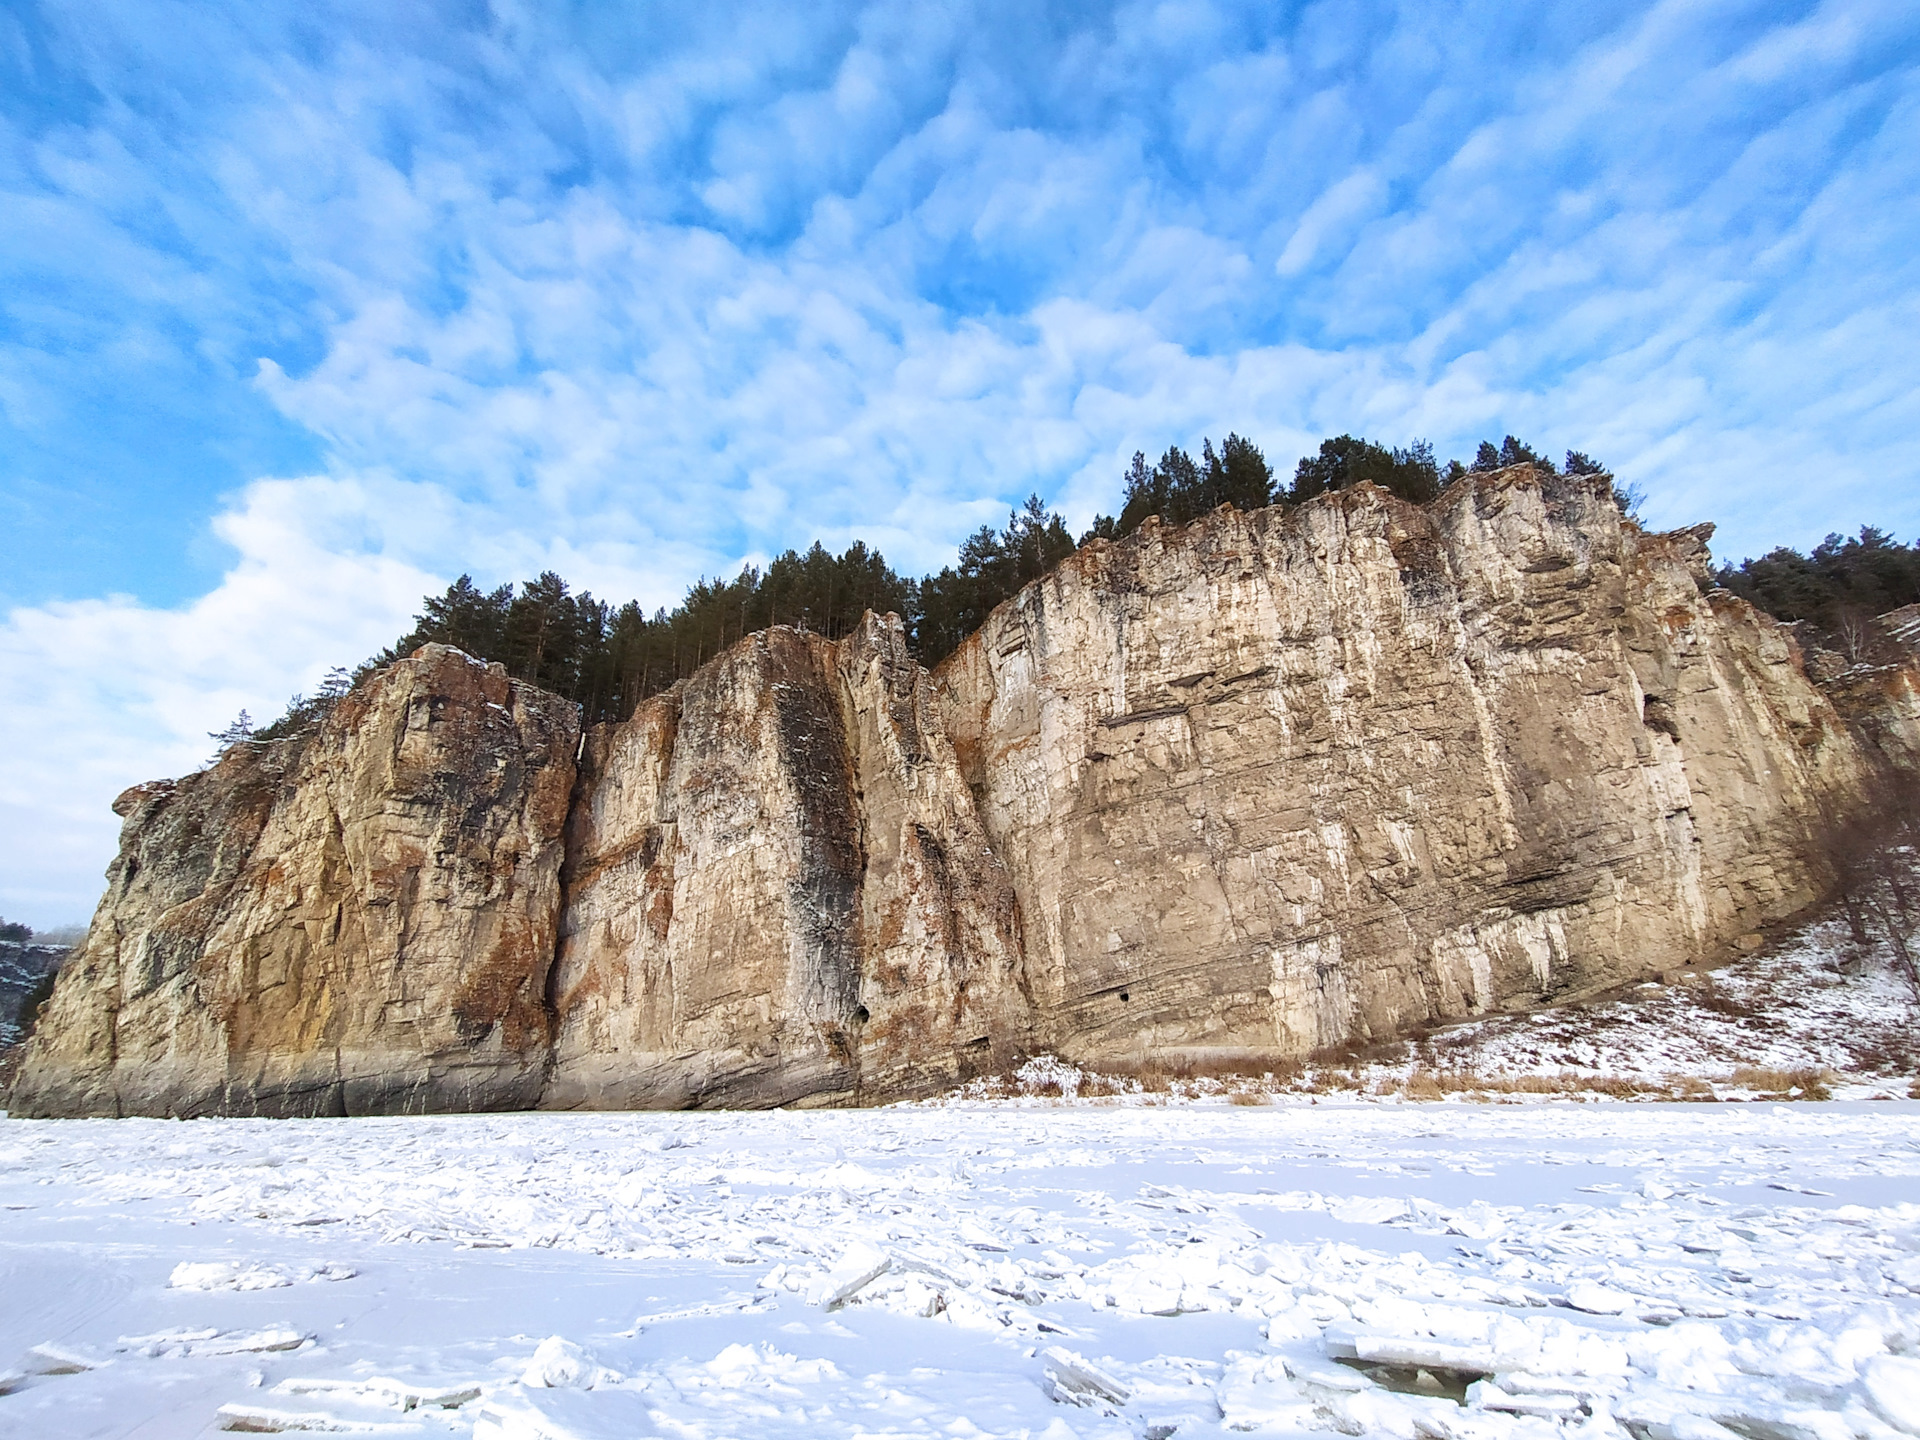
x: 609, y: 657
x: 1838, y: 589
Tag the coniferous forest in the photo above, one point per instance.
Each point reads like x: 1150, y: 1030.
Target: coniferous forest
x: 608, y: 658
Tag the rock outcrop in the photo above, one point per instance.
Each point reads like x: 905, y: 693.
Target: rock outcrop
x: 360, y: 922
x: 1879, y: 696
x: 1265, y: 784
x: 1279, y: 781
x: 778, y: 891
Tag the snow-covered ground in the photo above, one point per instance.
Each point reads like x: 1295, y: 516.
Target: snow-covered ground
x: 1584, y: 1268
x: 1312, y: 1252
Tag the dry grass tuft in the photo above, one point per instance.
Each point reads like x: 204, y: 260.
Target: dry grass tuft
x: 1785, y: 1084
x: 1425, y: 1084
x: 1178, y: 1079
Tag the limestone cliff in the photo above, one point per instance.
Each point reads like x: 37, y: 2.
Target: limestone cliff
x: 778, y: 891
x: 1280, y: 780
x: 360, y: 922
x: 1267, y: 783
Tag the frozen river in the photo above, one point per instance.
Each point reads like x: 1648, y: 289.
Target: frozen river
x: 1671, y: 1272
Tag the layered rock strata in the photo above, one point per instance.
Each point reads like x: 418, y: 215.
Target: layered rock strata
x: 1284, y: 780
x: 1266, y: 784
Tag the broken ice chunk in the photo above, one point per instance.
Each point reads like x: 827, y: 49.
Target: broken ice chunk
x: 1689, y: 1427
x: 268, y: 1420
x: 1892, y: 1386
x: 251, y: 1342
x: 51, y: 1359
x: 559, y: 1364
x: 1404, y: 1417
x: 249, y: 1275
x: 383, y: 1390
x: 1260, y: 1391
x: 175, y: 1344
x: 1598, y: 1299
x: 1074, y: 1381
x: 1546, y: 1404
x: 1368, y: 1209
x: 858, y: 1268
x: 226, y: 1275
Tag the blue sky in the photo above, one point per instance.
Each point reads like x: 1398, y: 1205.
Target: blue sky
x: 304, y: 309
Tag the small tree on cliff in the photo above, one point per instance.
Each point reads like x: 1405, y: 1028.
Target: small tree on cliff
x: 238, y: 732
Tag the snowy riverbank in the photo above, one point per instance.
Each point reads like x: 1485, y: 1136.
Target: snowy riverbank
x: 1590, y: 1268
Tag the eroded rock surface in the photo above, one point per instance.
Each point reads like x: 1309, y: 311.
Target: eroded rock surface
x: 361, y: 922
x: 1283, y: 780
x: 778, y: 891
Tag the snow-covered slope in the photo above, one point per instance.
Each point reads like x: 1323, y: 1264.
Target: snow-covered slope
x: 1813, y: 1004
x: 22, y: 966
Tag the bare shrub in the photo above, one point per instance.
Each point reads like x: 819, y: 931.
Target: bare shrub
x: 1423, y: 1084
x: 1871, y: 851
x: 1709, y: 995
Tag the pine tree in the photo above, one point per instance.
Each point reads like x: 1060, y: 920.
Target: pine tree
x: 1243, y: 479
x: 1345, y: 460
x: 238, y: 732
x: 1509, y: 452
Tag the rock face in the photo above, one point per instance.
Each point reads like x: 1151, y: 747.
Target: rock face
x: 1282, y: 780
x: 778, y: 891
x: 358, y: 923
x: 1265, y: 784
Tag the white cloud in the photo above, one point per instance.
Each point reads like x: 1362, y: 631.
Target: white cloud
x: 1355, y: 198
x: 641, y: 314
x: 103, y: 694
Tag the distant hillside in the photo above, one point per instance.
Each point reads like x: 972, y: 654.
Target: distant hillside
x: 26, y: 971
